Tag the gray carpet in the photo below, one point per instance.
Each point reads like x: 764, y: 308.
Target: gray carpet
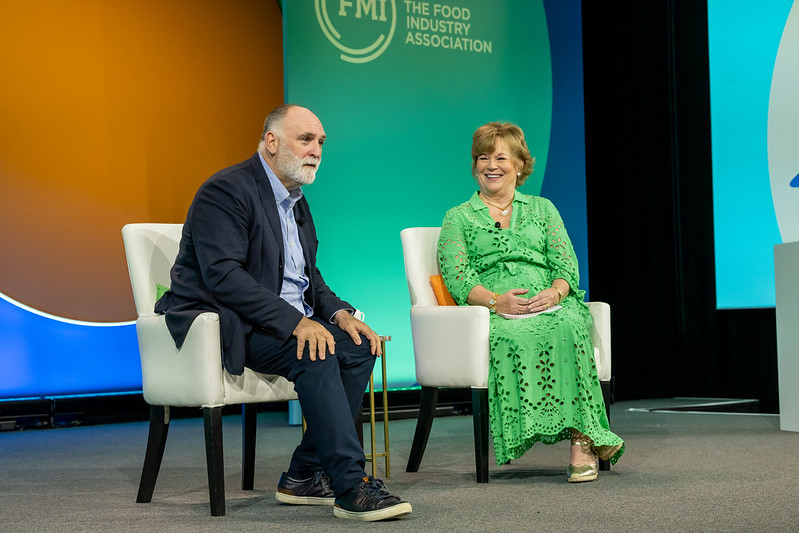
x: 682, y: 471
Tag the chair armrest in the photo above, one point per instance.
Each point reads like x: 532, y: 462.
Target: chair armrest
x: 600, y: 336
x: 450, y: 345
x: 191, y: 376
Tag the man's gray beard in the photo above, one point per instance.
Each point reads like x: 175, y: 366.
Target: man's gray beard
x: 292, y: 168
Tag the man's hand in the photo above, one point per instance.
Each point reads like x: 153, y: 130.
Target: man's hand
x: 319, y: 340
x: 356, y: 328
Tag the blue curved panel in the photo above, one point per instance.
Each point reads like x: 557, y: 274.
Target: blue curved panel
x: 43, y: 355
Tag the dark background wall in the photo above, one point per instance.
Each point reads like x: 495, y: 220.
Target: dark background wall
x: 650, y: 212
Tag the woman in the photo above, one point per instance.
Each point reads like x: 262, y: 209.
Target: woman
x: 510, y: 252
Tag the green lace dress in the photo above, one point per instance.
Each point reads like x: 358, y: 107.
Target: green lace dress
x: 542, y: 376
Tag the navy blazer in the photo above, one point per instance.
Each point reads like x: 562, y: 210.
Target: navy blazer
x: 231, y: 261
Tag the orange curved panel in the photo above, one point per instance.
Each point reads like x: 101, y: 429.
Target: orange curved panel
x: 115, y: 112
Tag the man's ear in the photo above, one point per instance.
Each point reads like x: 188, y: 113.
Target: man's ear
x: 270, y: 143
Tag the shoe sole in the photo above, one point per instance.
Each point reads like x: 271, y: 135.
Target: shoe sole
x: 581, y: 479
x: 395, y: 511
x: 292, y: 499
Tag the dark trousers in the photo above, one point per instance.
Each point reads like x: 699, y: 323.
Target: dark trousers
x: 330, y: 393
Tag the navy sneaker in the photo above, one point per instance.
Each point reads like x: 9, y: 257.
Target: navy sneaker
x: 316, y: 490
x: 370, y: 501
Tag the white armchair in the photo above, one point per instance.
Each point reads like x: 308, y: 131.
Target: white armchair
x: 450, y: 346
x: 192, y: 376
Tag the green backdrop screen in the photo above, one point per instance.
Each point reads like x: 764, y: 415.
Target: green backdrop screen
x: 400, y: 86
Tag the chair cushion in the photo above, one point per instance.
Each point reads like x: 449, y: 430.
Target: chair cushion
x: 443, y: 297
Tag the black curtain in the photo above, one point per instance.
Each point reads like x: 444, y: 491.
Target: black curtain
x: 650, y: 212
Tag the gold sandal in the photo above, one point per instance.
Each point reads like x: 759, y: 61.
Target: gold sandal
x: 583, y: 473
x: 606, y: 452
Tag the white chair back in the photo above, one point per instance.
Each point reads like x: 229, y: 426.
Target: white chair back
x: 419, y: 248
x: 151, y: 250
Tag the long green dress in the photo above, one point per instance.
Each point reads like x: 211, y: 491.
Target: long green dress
x: 542, y: 376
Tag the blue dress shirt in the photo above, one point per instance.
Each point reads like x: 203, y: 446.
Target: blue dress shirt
x: 295, y: 281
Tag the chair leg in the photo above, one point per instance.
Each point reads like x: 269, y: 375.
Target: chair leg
x: 607, y: 397
x: 156, y: 441
x: 427, y: 410
x: 249, y: 425
x: 480, y: 419
x: 212, y: 417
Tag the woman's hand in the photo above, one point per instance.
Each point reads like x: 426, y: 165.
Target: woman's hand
x: 510, y: 303
x: 543, y: 300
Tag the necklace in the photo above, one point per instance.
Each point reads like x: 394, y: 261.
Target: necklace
x: 504, y: 210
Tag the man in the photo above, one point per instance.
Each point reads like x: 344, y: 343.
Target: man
x: 248, y: 252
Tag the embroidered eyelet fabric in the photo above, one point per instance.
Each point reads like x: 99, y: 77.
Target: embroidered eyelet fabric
x: 542, y: 375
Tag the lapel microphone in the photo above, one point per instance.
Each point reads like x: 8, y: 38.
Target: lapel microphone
x: 497, y: 225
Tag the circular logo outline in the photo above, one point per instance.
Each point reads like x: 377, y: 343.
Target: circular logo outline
x: 355, y: 55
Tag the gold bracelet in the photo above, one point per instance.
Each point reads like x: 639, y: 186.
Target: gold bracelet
x: 560, y: 292
x: 492, y: 303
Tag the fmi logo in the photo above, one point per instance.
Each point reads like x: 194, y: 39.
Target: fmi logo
x: 361, y: 29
